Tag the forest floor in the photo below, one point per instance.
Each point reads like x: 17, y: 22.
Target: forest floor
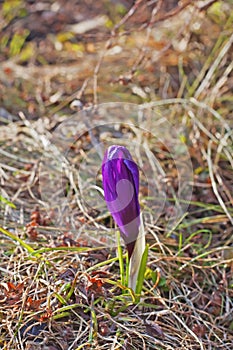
x: 76, y: 77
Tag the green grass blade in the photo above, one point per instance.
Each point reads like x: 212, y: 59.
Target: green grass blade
x: 127, y: 270
x: 69, y: 249
x: 121, y: 259
x: 141, y: 273
x: 17, y: 239
x: 7, y: 202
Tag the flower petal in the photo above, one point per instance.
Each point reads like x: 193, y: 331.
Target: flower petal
x: 121, y: 188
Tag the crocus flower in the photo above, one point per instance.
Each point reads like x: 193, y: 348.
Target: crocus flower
x: 121, y: 186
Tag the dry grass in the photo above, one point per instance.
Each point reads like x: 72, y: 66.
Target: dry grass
x: 60, y: 284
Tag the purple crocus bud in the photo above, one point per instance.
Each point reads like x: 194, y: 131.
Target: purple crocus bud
x: 121, y: 187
